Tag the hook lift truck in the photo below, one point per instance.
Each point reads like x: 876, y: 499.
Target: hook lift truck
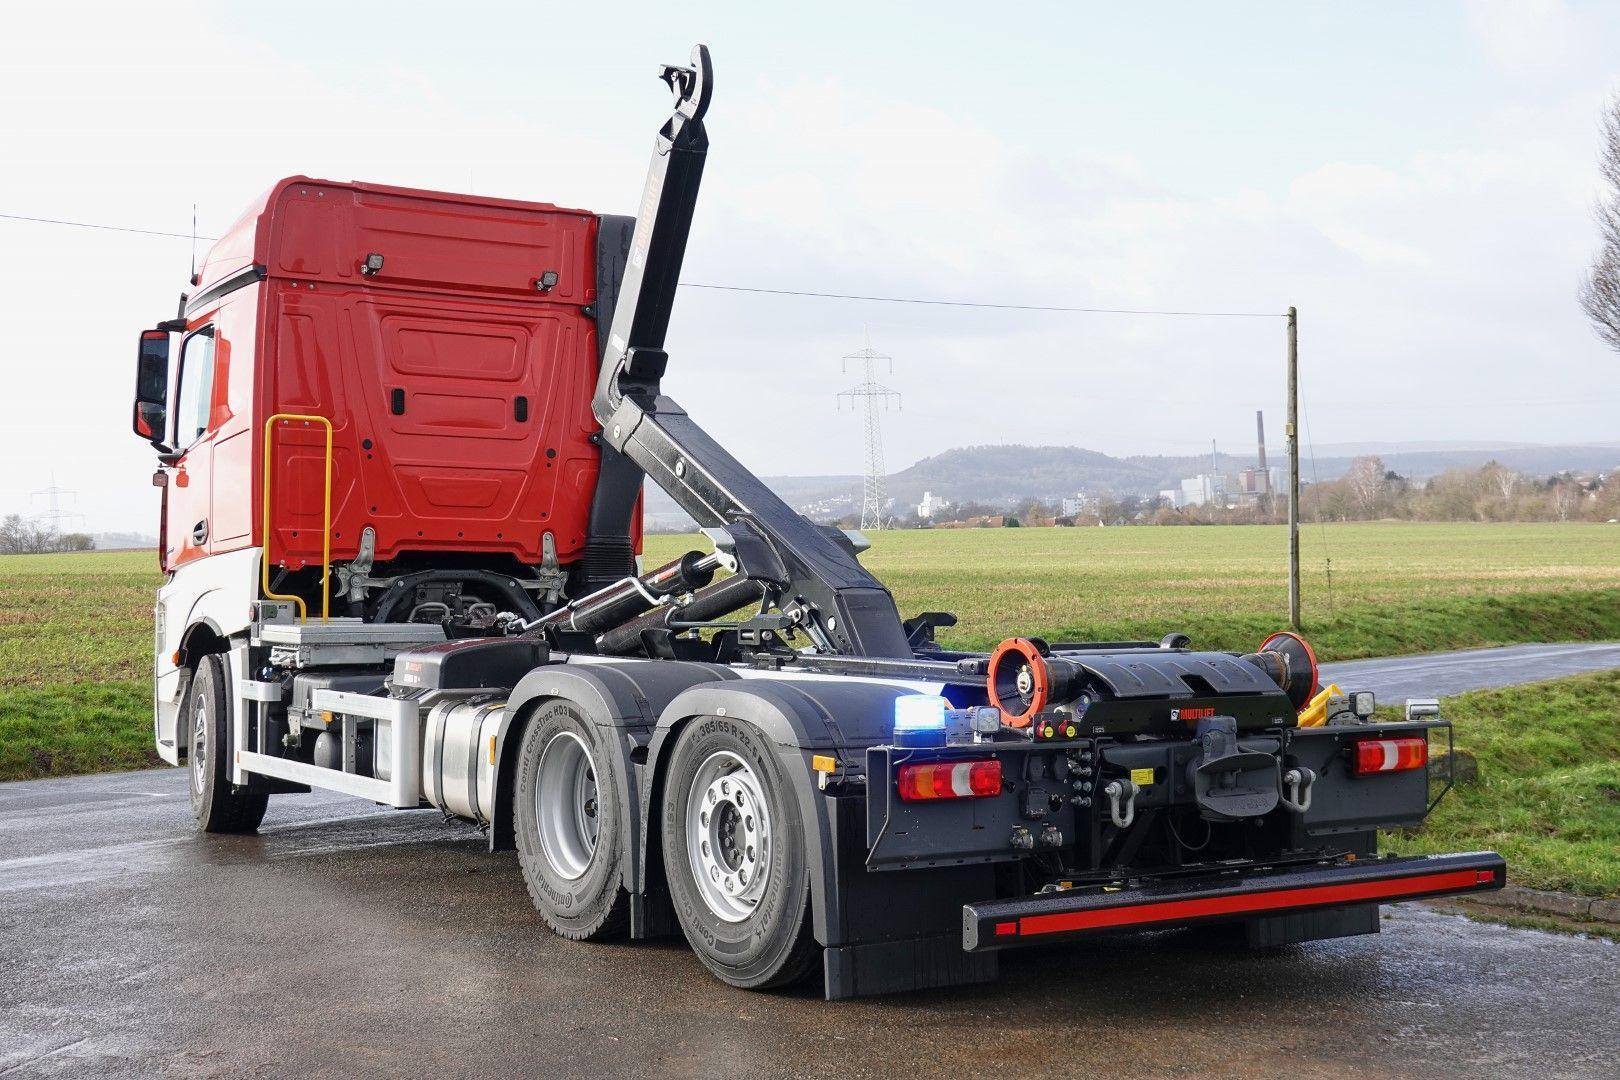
x: 435, y: 412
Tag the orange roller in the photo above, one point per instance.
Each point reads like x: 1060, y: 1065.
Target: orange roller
x: 1018, y: 681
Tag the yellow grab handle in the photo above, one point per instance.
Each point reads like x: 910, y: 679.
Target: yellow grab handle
x: 326, y: 518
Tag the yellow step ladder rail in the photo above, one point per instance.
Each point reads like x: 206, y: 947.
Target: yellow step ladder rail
x: 326, y: 516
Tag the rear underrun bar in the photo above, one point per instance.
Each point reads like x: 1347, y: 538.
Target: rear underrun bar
x: 1005, y: 923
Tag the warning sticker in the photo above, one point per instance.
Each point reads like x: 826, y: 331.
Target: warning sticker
x: 1142, y: 777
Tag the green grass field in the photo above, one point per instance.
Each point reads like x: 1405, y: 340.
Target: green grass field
x: 75, y: 643
x: 75, y: 663
x: 1368, y: 589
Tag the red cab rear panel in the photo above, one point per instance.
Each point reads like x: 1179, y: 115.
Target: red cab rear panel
x: 459, y: 391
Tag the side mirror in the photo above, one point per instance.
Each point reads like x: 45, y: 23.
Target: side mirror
x: 151, y: 414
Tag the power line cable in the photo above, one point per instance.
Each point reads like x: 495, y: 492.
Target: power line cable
x: 982, y: 304
x: 925, y: 301
x: 104, y: 228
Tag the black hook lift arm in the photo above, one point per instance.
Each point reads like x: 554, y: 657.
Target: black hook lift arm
x: 809, y: 572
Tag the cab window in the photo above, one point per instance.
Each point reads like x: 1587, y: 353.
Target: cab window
x: 196, y: 386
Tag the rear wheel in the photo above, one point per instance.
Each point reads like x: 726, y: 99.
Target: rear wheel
x: 734, y: 856
x: 570, y: 837
x: 218, y: 805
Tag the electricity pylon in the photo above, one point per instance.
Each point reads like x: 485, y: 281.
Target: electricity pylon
x: 871, y: 395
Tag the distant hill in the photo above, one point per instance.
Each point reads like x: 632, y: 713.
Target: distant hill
x: 1003, y: 475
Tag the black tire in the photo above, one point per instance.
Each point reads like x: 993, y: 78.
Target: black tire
x: 218, y: 805
x: 772, y: 944
x: 578, y: 888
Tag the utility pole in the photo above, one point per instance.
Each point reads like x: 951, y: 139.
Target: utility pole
x: 1293, y: 468
x: 870, y: 395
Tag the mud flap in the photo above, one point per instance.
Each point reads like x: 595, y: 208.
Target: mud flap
x: 1273, y: 931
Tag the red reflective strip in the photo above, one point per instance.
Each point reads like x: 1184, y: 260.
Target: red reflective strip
x: 1172, y: 910
x: 1005, y: 928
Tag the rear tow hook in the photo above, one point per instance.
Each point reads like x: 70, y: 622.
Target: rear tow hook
x: 1122, y: 791
x: 1298, y: 783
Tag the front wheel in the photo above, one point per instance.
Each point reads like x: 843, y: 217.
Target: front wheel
x: 734, y: 856
x: 218, y: 805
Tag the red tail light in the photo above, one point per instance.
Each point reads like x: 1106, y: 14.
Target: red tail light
x: 1390, y: 755
x: 950, y: 780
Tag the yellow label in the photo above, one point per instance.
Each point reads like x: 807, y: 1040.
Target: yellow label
x: 1142, y: 777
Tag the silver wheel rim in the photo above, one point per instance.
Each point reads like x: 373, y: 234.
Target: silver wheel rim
x: 565, y: 805
x: 199, y: 743
x: 728, y: 836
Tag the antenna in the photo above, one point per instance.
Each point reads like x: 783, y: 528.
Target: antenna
x: 193, y: 277
x: 869, y: 394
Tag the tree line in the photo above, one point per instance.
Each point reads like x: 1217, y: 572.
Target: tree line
x: 1368, y: 491
x: 22, y: 536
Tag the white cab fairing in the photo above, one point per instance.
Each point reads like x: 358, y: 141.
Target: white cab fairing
x: 216, y: 590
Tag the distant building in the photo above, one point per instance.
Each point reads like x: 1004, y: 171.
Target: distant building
x: 1172, y: 498
x: 931, y: 506
x: 1255, y: 484
x: 1201, y: 489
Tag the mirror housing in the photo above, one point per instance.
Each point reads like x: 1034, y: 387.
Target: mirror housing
x: 150, y: 417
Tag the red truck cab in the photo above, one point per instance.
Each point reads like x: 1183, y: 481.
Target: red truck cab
x: 452, y: 344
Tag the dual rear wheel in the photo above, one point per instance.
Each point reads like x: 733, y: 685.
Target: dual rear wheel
x: 569, y: 826
x: 731, y: 835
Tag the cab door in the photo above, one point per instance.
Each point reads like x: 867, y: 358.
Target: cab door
x: 187, y: 525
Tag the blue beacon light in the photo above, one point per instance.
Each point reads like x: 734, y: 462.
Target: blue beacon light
x: 919, y: 720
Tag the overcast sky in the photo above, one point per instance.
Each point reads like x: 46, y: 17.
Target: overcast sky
x: 1416, y: 178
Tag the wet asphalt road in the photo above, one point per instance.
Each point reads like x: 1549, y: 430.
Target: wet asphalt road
x: 348, y: 940
x: 1427, y: 675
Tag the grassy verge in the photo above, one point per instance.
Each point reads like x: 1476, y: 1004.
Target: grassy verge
x: 1548, y: 796
x: 81, y: 728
